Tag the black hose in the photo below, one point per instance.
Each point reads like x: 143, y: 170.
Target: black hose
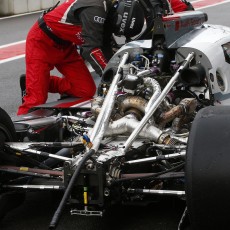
x: 69, y: 188
x: 51, y: 162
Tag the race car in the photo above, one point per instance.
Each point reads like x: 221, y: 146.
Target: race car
x: 158, y: 127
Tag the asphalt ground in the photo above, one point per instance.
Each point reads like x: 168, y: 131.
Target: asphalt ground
x: 38, y: 208
x: 37, y: 211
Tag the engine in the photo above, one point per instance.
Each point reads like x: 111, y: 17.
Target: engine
x: 139, y: 127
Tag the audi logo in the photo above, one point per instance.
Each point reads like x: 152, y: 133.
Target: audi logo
x: 99, y: 19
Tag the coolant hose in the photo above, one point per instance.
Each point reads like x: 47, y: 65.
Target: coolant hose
x: 51, y: 162
x: 69, y: 188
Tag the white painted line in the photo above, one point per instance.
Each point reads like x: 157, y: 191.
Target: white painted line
x: 12, y: 59
x: 11, y: 44
x: 216, y: 4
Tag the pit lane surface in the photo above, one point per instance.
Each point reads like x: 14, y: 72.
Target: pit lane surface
x: 37, y: 211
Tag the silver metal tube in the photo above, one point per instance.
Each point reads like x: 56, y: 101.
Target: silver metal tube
x: 26, y: 145
x: 73, y: 118
x: 127, y: 124
x: 157, y: 192
x: 155, y: 105
x: 104, y: 115
x: 97, y: 140
x: 152, y: 159
x: 37, y: 152
x: 144, y: 72
x: 34, y: 187
x: 67, y: 144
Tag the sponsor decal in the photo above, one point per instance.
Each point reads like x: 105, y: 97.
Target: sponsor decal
x: 132, y: 23
x: 99, y: 19
x: 123, y: 23
x: 191, y: 22
x: 178, y: 22
x: 79, y: 37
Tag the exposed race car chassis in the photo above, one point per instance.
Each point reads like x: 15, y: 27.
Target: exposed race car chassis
x: 153, y: 130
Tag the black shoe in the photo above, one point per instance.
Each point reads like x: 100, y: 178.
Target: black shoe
x: 64, y: 96
x: 23, y: 86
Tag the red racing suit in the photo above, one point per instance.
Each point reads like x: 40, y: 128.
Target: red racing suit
x: 51, y: 42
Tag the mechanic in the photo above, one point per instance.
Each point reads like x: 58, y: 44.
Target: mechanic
x: 89, y: 24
